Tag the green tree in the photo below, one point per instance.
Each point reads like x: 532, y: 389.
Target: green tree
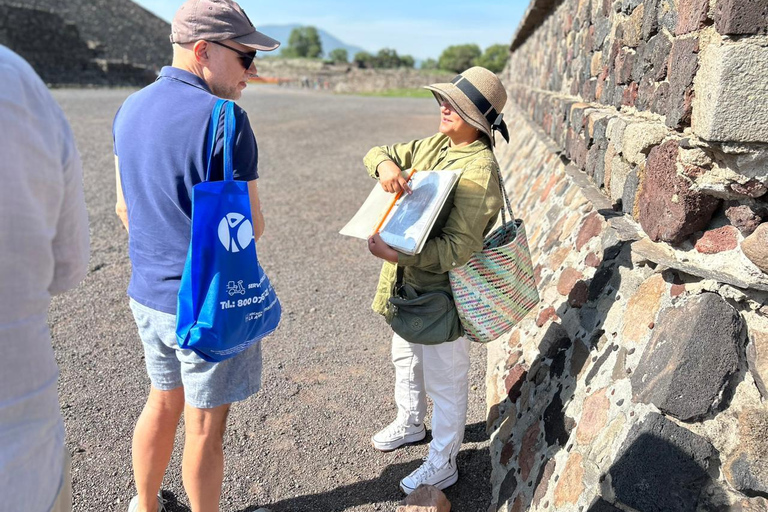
x: 494, y: 58
x: 406, y: 61
x: 429, y: 64
x: 364, y: 60
x: 304, y: 42
x: 339, y: 56
x: 458, y: 58
x: 387, y: 58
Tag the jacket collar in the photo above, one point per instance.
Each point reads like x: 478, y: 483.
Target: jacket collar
x: 470, y: 149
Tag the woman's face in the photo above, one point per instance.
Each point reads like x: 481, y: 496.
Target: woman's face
x: 452, y: 125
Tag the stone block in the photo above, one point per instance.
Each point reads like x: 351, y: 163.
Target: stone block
x: 426, y: 498
x: 650, y: 19
x: 757, y: 359
x: 594, y: 417
x: 545, y: 316
x: 755, y: 247
x: 592, y: 226
x: 747, y: 469
x: 545, y: 475
x: 633, y: 28
x: 602, y: 506
x: 507, y: 488
x: 668, y: 209
x: 624, y: 63
x: 683, y: 65
x: 672, y: 479
x: 619, y: 172
x: 568, y: 279
x: 578, y: 295
x: 629, y: 195
x: 528, y: 450
x: 639, y: 138
x: 690, y: 359
x: 738, y: 17
x: 652, y: 58
x: 571, y: 484
x: 642, y: 308
x: 731, y: 101
x: 514, y: 380
x: 629, y: 95
x: 691, y: 15
x: 717, y: 240
x: 615, y: 132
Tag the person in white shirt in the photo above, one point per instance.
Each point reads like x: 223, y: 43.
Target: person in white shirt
x: 44, y: 250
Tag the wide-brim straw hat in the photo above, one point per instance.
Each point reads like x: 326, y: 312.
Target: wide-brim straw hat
x: 478, y: 96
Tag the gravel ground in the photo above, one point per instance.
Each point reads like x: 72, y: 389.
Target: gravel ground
x: 301, y: 443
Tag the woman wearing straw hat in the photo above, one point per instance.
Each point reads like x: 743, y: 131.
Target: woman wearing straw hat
x: 470, y: 114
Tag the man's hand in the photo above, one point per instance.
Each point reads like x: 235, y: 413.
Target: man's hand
x: 391, y: 179
x: 381, y: 250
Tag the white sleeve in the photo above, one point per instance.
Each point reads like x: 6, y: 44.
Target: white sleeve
x: 71, y: 244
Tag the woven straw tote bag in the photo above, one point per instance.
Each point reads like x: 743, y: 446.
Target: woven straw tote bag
x: 496, y: 288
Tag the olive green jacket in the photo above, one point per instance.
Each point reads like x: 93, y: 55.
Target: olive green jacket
x: 469, y: 213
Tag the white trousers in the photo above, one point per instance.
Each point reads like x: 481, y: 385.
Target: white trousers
x: 440, y: 371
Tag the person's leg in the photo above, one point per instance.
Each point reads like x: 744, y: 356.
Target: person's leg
x: 202, y: 467
x: 156, y: 427
x: 446, y: 376
x: 410, y: 397
x: 153, y: 443
x: 446, y: 370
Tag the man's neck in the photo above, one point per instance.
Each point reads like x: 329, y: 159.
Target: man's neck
x: 193, y: 68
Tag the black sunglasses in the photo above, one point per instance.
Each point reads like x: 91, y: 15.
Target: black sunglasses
x: 245, y: 58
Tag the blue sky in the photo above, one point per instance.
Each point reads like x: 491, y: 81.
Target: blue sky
x: 421, y: 28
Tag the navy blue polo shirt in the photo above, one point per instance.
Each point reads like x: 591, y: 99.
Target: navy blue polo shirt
x: 160, y: 135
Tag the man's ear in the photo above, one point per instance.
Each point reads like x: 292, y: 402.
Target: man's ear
x: 201, y: 50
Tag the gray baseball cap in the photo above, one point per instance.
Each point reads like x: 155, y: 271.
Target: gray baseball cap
x: 217, y: 20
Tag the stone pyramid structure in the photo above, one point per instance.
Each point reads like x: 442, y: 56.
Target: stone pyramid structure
x: 86, y: 42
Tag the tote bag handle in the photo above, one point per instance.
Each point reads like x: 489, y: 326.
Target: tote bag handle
x: 229, y: 135
x: 507, y: 204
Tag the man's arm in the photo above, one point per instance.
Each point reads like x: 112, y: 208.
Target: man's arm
x: 71, y: 245
x: 256, y: 215
x: 120, y: 208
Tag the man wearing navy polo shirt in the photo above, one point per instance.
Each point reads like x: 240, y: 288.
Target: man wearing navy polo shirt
x: 159, y: 140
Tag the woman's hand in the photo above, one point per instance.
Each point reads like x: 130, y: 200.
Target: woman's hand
x: 391, y: 179
x: 381, y: 250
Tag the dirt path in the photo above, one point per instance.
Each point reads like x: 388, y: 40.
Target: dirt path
x: 302, y: 443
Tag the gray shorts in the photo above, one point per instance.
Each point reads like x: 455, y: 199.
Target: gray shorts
x: 206, y: 385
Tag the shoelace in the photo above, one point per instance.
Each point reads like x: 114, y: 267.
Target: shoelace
x: 394, y: 429
x: 426, y: 470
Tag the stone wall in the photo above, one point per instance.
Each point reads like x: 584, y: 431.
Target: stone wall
x: 639, y: 161
x: 346, y: 78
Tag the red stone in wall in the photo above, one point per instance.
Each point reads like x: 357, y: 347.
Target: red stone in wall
x: 691, y: 15
x: 718, y: 240
x: 741, y: 16
x: 668, y: 209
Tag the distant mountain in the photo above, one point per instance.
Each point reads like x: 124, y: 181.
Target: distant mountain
x: 329, y: 42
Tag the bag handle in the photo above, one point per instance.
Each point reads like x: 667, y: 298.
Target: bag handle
x: 229, y: 140
x: 508, y: 205
x: 229, y: 135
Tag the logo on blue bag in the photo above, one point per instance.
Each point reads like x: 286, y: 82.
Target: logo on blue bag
x: 235, y: 232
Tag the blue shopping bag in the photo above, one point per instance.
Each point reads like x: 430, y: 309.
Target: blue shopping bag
x: 226, y: 302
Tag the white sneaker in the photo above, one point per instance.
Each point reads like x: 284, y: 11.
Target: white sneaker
x: 133, y: 506
x: 396, y: 434
x: 430, y: 474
